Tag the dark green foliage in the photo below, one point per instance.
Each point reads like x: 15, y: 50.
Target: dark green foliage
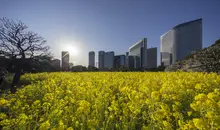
x: 78, y: 68
x: 92, y: 68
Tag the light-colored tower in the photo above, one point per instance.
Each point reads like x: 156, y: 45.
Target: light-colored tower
x: 181, y: 41
x: 139, y: 51
x: 65, y: 60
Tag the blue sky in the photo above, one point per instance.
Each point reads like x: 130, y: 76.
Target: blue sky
x: 110, y: 25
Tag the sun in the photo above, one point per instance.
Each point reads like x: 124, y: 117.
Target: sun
x: 73, y: 50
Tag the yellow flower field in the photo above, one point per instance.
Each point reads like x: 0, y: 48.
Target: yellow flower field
x: 114, y: 100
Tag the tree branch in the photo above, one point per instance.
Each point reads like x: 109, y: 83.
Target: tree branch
x: 16, y: 40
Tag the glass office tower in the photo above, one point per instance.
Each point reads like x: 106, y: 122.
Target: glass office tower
x: 181, y: 41
x: 139, y: 51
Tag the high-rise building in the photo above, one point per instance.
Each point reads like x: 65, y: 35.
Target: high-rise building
x: 109, y: 60
x: 65, y: 60
x: 101, y: 60
x: 92, y: 58
x: 55, y: 63
x: 119, y: 61
x: 137, y: 62
x: 126, y: 59
x: 181, y: 41
x: 139, y: 50
x: 131, y: 62
x: 151, y: 58
x: 97, y: 64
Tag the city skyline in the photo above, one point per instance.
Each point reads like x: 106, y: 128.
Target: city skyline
x: 145, y: 57
x: 141, y: 57
x: 111, y: 24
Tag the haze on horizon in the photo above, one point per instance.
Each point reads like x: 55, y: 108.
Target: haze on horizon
x: 109, y: 25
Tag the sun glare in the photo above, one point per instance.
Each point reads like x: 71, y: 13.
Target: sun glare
x: 72, y: 50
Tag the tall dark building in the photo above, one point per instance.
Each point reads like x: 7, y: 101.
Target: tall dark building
x: 119, y: 61
x: 126, y: 59
x: 101, y: 60
x: 65, y: 60
x: 152, y: 58
x: 109, y: 60
x: 131, y: 62
x: 137, y: 62
x: 92, y: 58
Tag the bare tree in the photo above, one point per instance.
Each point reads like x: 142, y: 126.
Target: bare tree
x: 16, y: 41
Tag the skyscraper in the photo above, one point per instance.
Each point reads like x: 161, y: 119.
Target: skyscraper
x: 65, y: 60
x: 139, y: 50
x: 92, y: 58
x: 119, y: 61
x: 101, y: 60
x: 109, y: 60
x: 126, y: 59
x: 137, y: 62
x: 151, y: 58
x: 131, y: 62
x: 181, y: 41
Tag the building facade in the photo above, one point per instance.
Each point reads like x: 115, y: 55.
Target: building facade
x: 55, y: 63
x: 109, y: 60
x: 139, y: 51
x: 131, y: 62
x: 151, y: 58
x: 92, y: 58
x: 65, y: 60
x: 137, y: 62
x: 181, y: 41
x: 126, y: 59
x: 101, y: 60
x: 119, y: 61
